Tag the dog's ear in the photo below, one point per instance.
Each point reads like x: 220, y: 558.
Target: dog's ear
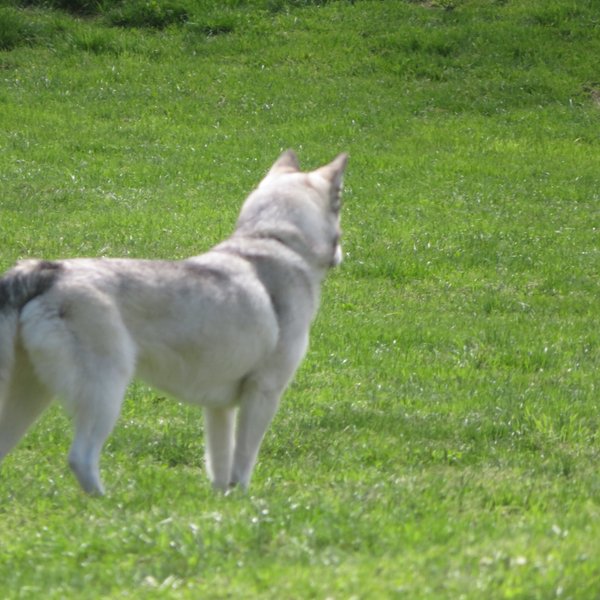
x: 334, y: 174
x: 286, y: 163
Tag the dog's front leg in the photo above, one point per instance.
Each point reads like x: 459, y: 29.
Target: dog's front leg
x: 218, y: 438
x: 257, y: 408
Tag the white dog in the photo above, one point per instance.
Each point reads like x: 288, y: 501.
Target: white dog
x: 226, y: 329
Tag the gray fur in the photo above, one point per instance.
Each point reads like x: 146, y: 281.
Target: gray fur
x: 225, y: 330
x: 26, y: 281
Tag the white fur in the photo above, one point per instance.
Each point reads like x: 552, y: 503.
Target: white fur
x: 225, y: 330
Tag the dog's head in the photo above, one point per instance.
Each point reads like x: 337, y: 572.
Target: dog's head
x: 302, y: 210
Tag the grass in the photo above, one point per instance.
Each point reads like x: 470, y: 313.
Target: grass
x: 441, y: 438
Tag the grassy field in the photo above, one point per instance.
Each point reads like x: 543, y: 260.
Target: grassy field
x: 441, y: 439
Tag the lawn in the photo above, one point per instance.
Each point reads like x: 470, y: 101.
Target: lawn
x: 440, y: 441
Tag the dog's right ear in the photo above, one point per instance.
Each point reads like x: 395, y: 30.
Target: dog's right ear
x: 286, y: 163
x: 334, y: 174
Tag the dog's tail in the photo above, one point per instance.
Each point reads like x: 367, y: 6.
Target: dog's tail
x: 8, y: 332
x: 18, y: 286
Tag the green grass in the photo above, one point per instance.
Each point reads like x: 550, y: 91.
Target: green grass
x: 441, y: 439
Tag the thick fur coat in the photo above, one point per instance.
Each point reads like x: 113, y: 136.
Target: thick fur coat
x: 225, y: 330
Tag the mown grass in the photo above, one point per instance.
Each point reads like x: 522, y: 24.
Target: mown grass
x: 440, y: 440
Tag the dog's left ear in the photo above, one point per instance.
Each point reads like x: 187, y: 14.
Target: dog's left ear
x: 334, y: 174
x: 286, y: 163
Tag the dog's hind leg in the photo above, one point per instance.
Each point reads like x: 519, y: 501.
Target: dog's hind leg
x: 96, y: 412
x: 25, y: 399
x: 82, y: 351
x: 218, y: 438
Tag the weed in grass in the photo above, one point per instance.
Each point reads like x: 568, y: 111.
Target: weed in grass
x: 16, y: 30
x: 147, y: 13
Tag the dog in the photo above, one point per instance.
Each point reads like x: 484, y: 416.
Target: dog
x: 225, y: 329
